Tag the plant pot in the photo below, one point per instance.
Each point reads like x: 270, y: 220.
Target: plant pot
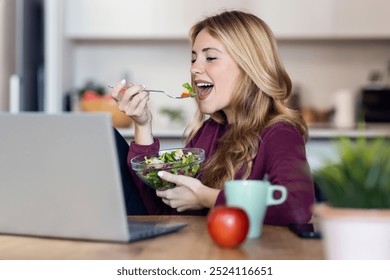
x: 354, y: 234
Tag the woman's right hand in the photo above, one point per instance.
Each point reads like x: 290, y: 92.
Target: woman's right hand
x: 132, y: 100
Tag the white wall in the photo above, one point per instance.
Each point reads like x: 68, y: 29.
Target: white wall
x: 320, y: 66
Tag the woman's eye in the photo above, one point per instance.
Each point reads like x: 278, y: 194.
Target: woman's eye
x: 193, y: 61
x: 210, y: 58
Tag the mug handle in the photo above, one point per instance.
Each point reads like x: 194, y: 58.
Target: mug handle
x: 275, y: 201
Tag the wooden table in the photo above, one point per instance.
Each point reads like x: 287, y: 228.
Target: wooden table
x: 192, y: 242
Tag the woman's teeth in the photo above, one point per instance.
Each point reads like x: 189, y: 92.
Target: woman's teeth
x: 204, y: 85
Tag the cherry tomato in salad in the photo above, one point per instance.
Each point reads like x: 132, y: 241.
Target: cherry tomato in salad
x: 186, y: 94
x: 228, y: 226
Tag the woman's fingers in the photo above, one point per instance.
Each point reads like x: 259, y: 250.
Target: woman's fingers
x: 119, y: 89
x: 169, y: 177
x: 136, y: 105
x: 131, y: 99
x: 131, y: 92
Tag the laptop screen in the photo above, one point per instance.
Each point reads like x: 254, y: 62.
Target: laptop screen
x: 60, y: 177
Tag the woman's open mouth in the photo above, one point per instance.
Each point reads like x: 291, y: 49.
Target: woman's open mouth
x: 204, y: 89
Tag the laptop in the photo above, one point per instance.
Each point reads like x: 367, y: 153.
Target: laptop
x: 59, y: 178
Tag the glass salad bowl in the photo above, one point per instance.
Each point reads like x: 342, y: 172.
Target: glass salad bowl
x: 184, y: 161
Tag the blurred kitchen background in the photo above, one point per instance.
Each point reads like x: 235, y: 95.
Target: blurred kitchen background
x: 337, y: 53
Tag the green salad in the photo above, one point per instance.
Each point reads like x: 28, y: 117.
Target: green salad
x: 189, y: 91
x: 175, y: 161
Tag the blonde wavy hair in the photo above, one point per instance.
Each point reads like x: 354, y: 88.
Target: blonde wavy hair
x: 259, y: 99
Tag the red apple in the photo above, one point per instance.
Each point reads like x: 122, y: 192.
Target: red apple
x: 228, y: 226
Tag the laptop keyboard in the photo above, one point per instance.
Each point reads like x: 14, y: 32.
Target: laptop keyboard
x: 143, y: 229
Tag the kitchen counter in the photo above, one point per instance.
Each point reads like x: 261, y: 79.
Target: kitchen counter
x: 327, y: 131
x: 320, y: 147
x: 316, y: 131
x: 168, y: 138
x: 174, y: 133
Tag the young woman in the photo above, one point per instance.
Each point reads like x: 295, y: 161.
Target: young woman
x: 242, y: 122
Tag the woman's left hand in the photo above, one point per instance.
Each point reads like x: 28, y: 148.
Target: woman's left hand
x: 189, y: 193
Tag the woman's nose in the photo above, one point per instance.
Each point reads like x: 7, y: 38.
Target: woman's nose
x: 196, y: 68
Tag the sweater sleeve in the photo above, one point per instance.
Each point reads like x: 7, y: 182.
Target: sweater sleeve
x: 286, y: 165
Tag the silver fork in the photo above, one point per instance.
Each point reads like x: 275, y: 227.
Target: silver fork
x: 161, y: 91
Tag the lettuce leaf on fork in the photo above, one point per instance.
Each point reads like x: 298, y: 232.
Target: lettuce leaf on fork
x: 189, y: 89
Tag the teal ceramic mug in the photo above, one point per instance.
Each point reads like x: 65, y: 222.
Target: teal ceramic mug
x: 254, y: 196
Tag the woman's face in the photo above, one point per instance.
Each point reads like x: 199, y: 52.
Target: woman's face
x: 215, y: 74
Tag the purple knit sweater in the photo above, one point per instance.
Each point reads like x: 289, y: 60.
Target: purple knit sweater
x: 281, y: 155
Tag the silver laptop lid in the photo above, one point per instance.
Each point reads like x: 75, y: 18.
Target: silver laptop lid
x: 60, y: 177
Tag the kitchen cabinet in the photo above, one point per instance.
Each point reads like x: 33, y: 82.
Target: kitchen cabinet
x: 162, y: 19
x: 298, y: 18
x: 133, y: 19
x: 172, y: 19
x: 362, y: 19
x: 326, y: 19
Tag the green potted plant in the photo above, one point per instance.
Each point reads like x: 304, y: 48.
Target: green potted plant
x: 355, y: 219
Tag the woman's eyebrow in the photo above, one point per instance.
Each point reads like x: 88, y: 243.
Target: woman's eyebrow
x: 208, y: 49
